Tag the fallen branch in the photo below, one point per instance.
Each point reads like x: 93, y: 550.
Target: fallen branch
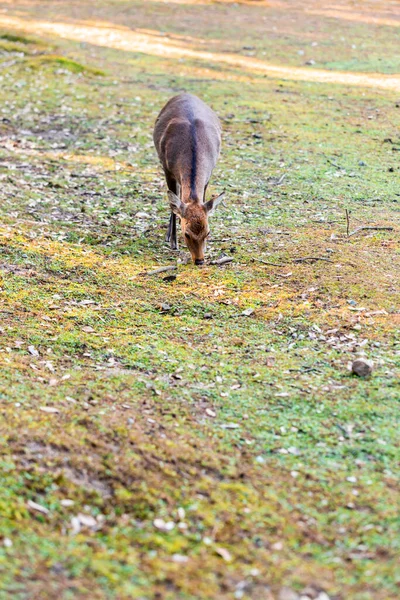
x: 264, y: 262
x: 347, y: 223
x: 280, y: 180
x: 295, y: 260
x: 272, y: 232
x: 223, y: 261
x: 331, y: 162
x: 298, y: 260
x: 369, y: 228
x: 160, y: 270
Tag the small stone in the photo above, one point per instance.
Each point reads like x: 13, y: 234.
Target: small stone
x: 277, y: 546
x: 87, y: 520
x: 67, y: 502
x: 180, y: 558
x: 162, y: 525
x: 287, y: 594
x: 362, y: 367
x: 75, y: 525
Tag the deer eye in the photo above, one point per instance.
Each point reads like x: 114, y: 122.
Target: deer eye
x: 187, y: 236
x: 208, y: 234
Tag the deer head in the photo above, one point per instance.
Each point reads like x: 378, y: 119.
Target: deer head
x: 194, y: 223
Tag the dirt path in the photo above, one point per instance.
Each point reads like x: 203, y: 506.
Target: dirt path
x: 153, y: 44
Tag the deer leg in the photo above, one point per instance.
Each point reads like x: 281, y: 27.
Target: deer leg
x: 171, y: 236
x: 174, y: 237
x: 169, y: 230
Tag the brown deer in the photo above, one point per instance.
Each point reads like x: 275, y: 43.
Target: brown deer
x: 187, y: 137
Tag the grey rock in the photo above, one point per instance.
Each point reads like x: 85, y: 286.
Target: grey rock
x: 362, y: 367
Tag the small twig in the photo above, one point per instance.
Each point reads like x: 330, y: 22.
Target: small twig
x: 298, y: 260
x: 281, y: 179
x: 160, y: 270
x: 305, y: 370
x: 272, y: 232
x: 331, y: 162
x: 274, y: 181
x: 295, y: 260
x: 369, y: 228
x: 347, y: 222
x: 264, y: 262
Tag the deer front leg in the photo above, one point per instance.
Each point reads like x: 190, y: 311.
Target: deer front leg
x: 171, y: 236
x: 174, y: 237
x: 169, y: 230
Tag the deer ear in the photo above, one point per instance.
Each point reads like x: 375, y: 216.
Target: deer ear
x: 176, y: 204
x: 212, y: 204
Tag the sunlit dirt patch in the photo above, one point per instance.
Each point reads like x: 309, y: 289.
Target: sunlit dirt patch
x: 368, y: 16
x: 131, y: 41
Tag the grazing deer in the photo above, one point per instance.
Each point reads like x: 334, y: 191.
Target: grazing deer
x: 187, y: 137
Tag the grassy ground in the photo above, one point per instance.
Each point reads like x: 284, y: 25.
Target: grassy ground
x: 159, y: 439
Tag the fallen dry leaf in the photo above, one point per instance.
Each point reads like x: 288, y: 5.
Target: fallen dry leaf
x: 227, y: 556
x: 38, y: 507
x: 49, y: 409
